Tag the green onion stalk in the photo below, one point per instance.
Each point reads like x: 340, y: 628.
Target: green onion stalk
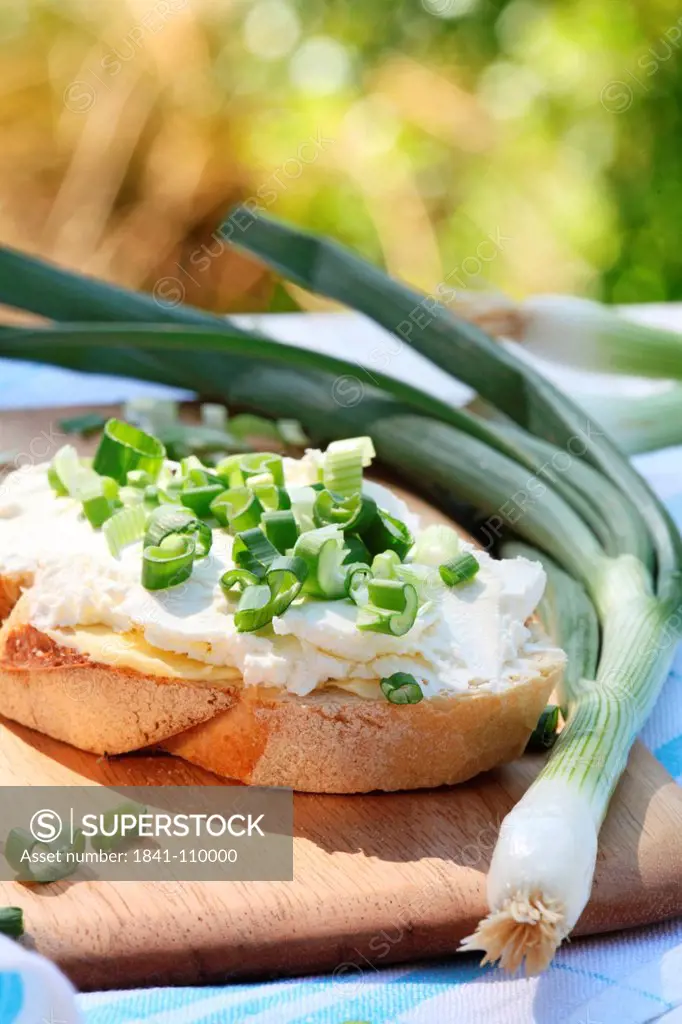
x: 580, y: 333
x: 553, y: 480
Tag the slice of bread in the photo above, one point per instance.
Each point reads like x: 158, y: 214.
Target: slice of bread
x: 103, y: 708
x: 336, y: 742
x: 331, y: 741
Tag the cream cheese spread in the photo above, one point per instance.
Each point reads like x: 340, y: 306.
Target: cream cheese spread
x: 468, y: 637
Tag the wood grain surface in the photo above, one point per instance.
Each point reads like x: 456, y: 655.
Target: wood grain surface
x: 378, y: 878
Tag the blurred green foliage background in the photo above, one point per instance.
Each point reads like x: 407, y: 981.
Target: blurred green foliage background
x: 535, y: 146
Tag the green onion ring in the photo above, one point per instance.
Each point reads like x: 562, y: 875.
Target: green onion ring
x: 281, y: 529
x: 169, y: 563
x: 460, y: 569
x: 262, y: 601
x: 238, y: 509
x: 392, y: 608
x: 237, y: 578
x: 401, y: 688
x: 169, y: 519
x: 256, y: 463
x: 386, y: 533
x: 124, y: 447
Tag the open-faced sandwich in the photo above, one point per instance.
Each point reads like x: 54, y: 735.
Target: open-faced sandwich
x: 279, y: 621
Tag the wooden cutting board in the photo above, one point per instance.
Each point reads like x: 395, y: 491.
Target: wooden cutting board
x: 378, y: 879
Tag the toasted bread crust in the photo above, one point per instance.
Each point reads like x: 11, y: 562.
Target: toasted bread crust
x: 335, y: 742
x: 106, y: 709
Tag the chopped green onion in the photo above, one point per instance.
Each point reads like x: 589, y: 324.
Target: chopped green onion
x: 461, y: 569
x: 261, y: 602
x: 131, y: 495
x: 86, y: 424
x: 228, y: 470
x: 166, y: 520
x: 356, y: 549
x: 268, y: 493
x: 125, y: 527
x: 213, y: 415
x: 253, y: 551
x: 263, y: 462
x: 11, y: 922
x: 544, y: 734
x: 401, y: 688
x: 280, y: 529
x: 333, y: 509
x: 323, y: 553
x: 139, y: 478
x: 424, y: 578
x: 98, y: 509
x: 115, y: 831
x: 343, y: 464
x: 199, y: 498
x: 169, y: 563
x: 386, y: 533
x: 55, y: 483
x: 239, y: 509
x: 237, y: 578
x: 76, y: 478
x: 436, y: 544
x: 292, y: 433
x: 302, y: 504
x: 358, y: 575
x: 124, y: 447
x: 392, y: 608
x: 384, y: 564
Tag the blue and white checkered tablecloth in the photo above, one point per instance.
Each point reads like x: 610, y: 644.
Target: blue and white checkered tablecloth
x: 628, y: 978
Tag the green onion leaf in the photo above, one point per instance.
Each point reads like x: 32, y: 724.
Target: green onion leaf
x: 461, y: 569
x: 124, y: 447
x: 386, y: 533
x: 343, y: 464
x: 281, y: 529
x: 168, y: 564
x: 125, y: 527
x: 171, y: 519
x: 245, y: 425
x: 401, y: 688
